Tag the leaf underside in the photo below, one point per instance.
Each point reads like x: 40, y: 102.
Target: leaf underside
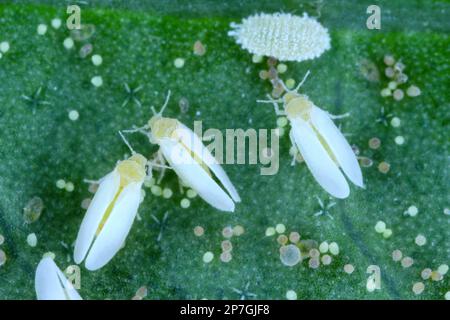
x: 138, y: 43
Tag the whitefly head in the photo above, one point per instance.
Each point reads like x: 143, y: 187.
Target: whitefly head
x: 283, y: 36
x: 297, y: 105
x: 161, y: 127
x: 132, y: 169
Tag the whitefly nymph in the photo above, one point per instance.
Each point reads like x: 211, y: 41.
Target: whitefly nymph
x: 51, y: 283
x: 111, y: 213
x: 283, y: 36
x: 321, y: 144
x: 191, y: 160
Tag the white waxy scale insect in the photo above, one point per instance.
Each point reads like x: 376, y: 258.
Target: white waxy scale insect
x: 111, y: 212
x: 190, y: 159
x: 321, y: 144
x: 282, y: 35
x: 51, y: 283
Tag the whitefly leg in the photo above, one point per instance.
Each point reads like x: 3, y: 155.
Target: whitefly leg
x: 89, y: 181
x: 276, y: 107
x: 339, y: 116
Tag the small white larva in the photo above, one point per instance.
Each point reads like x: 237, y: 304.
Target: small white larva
x: 111, y: 212
x: 282, y: 35
x: 321, y: 144
x: 191, y: 160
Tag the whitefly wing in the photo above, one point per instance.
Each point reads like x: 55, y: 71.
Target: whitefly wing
x: 105, y: 194
x: 116, y: 228
x: 193, y: 174
x: 342, y: 151
x: 322, y: 167
x: 193, y: 142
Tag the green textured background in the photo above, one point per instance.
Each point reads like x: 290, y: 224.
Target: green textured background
x: 138, y: 43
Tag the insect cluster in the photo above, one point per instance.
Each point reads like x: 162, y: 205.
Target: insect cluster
x: 323, y: 147
x: 111, y: 212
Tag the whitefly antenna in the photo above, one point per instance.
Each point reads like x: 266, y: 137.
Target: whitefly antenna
x: 127, y: 143
x: 165, y: 103
x: 303, y: 81
x: 137, y: 129
x: 280, y: 81
x: 163, y: 107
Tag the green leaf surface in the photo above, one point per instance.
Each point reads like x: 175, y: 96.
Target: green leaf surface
x: 138, y: 41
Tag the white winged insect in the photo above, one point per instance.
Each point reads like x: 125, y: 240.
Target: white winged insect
x: 321, y: 144
x: 111, y: 213
x: 190, y: 159
x: 51, y: 283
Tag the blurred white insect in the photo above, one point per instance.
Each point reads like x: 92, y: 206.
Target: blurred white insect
x: 190, y: 159
x: 51, y: 283
x: 111, y: 213
x: 321, y: 144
